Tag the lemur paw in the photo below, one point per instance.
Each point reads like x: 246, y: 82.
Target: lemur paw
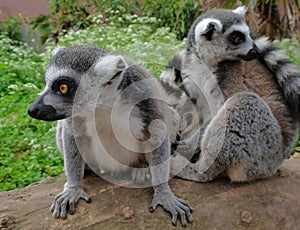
x: 141, y: 175
x: 68, y: 199
x: 174, y: 205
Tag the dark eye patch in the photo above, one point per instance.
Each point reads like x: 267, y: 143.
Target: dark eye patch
x: 237, y: 38
x: 67, y: 83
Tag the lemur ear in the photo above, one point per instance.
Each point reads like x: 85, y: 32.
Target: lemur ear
x: 110, y: 65
x: 206, y: 27
x: 241, y: 10
x: 54, y: 52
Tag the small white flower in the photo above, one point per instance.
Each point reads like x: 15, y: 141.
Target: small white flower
x: 30, y: 85
x: 13, y: 87
x: 52, y: 129
x: 36, y: 146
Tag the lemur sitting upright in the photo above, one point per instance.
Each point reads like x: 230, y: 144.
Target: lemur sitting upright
x: 246, y: 93
x: 112, y: 115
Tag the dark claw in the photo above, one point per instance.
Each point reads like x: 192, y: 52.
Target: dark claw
x: 89, y: 200
x: 72, y: 208
x: 183, y: 220
x: 65, y: 202
x: 174, y: 205
x: 174, y: 220
x: 151, y: 209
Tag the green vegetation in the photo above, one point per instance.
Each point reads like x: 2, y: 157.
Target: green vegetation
x: 139, y: 39
x: 292, y: 47
x: 177, y: 15
x: 27, y: 147
x: 28, y: 151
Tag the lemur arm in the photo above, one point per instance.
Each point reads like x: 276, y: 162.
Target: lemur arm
x: 159, y: 168
x: 74, y: 169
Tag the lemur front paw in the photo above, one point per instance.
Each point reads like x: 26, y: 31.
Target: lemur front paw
x: 174, y: 205
x: 68, y: 199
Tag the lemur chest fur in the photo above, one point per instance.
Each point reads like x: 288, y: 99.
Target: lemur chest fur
x: 113, y: 130
x: 252, y: 76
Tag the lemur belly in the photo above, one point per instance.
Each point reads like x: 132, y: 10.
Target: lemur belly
x: 252, y: 76
x: 113, y: 147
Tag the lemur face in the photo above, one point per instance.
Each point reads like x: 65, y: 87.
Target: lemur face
x: 62, y: 78
x: 222, y: 34
x: 56, y: 101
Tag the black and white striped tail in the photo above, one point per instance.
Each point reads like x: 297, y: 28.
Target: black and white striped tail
x: 286, y: 72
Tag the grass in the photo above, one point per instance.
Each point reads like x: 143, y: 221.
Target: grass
x: 27, y: 146
x: 28, y: 151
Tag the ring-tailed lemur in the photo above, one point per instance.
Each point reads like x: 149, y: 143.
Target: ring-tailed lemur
x: 248, y: 94
x: 112, y: 115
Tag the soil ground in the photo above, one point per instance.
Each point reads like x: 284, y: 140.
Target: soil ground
x: 267, y: 204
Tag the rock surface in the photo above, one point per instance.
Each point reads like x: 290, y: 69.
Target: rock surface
x: 265, y: 204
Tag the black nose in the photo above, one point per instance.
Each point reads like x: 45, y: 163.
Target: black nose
x: 33, y: 111
x: 42, y: 112
x: 252, y: 54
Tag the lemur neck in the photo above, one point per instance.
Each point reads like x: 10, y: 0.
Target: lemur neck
x: 227, y: 72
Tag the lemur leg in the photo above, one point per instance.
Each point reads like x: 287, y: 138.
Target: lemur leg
x: 141, y: 175
x: 74, y: 169
x: 243, y: 139
x: 159, y: 168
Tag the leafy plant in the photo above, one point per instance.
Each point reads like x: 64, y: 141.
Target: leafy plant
x: 27, y: 147
x: 65, y: 15
x: 177, y: 15
x: 74, y: 14
x: 292, y: 47
x: 11, y: 28
x: 156, y: 49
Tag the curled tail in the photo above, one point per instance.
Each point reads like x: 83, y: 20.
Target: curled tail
x: 171, y: 79
x: 285, y: 71
x: 172, y: 72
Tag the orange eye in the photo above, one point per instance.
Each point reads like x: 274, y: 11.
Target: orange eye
x: 237, y: 40
x: 63, y: 88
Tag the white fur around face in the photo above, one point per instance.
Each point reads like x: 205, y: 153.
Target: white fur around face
x: 243, y: 28
x: 202, y: 27
x: 241, y: 10
x: 53, y: 73
x: 57, y: 50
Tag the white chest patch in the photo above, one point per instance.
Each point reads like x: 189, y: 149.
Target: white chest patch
x: 106, y: 148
